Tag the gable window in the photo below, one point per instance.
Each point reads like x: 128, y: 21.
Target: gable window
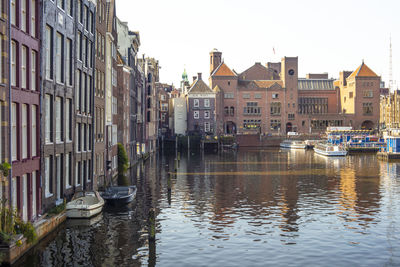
x: 275, y: 96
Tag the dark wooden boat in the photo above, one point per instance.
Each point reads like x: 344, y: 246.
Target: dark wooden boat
x: 119, y: 195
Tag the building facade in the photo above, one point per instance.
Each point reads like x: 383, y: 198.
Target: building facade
x: 201, y: 108
x: 5, y: 107
x: 99, y: 95
x: 272, y: 99
x: 164, y: 91
x: 25, y: 108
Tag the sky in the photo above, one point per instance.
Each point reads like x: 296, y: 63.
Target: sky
x: 327, y: 36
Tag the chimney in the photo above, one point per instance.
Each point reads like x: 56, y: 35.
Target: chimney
x: 194, y: 78
x: 199, y: 75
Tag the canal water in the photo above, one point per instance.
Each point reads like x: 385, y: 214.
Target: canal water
x: 246, y: 208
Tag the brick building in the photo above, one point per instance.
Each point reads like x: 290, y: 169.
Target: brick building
x: 4, y: 97
x: 272, y: 99
x: 99, y: 95
x: 25, y: 103
x: 164, y: 91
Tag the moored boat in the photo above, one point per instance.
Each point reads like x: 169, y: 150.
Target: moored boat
x: 119, y: 195
x: 297, y: 144
x: 85, y: 205
x: 327, y: 149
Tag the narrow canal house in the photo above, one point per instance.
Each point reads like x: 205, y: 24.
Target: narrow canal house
x: 201, y: 108
x: 99, y: 95
x: 111, y: 90
x: 4, y: 96
x: 25, y: 100
x: 84, y: 92
x: 58, y: 100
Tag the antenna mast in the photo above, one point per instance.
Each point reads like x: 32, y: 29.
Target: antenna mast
x: 390, y: 68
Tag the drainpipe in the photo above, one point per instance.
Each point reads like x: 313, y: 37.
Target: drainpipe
x: 9, y: 102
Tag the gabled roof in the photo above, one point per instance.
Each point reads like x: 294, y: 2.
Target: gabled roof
x: 223, y: 70
x: 259, y: 72
x: 200, y: 87
x: 363, y: 71
x: 269, y: 83
x: 217, y: 89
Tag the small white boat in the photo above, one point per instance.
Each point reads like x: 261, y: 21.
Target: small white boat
x: 85, y: 205
x: 293, y: 144
x: 330, y: 150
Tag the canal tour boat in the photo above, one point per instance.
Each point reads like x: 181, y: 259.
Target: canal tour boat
x: 119, y: 195
x: 85, y: 205
x: 327, y: 149
x: 297, y: 144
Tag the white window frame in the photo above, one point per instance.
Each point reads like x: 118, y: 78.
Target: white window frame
x: 58, y: 103
x: 196, y: 114
x: 47, y: 176
x: 13, y: 54
x: 24, y: 131
x: 33, y: 130
x: 196, y: 103
x: 33, y: 69
x: 24, y: 71
x: 14, y: 130
x: 206, y: 114
x: 48, y: 125
x: 68, y: 120
x: 59, y: 58
x: 207, y: 103
x: 33, y: 18
x: 13, y: 6
x: 207, y: 127
x: 23, y: 15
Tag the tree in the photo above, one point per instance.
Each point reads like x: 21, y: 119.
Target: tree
x: 122, y: 165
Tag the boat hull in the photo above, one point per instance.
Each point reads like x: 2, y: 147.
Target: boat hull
x: 117, y: 199
x: 83, y: 212
x: 330, y: 153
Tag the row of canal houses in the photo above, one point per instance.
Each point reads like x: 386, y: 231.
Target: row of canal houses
x: 71, y: 87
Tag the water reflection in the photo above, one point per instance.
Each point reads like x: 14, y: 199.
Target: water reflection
x: 291, y: 206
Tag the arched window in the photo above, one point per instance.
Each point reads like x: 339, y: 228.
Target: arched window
x: 149, y: 77
x: 226, y: 109
x: 148, y: 102
x: 149, y: 90
x: 232, y: 111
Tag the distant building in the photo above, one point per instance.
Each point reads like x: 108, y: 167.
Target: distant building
x: 272, y: 99
x: 390, y: 111
x: 200, y: 108
x: 164, y: 92
x: 178, y: 115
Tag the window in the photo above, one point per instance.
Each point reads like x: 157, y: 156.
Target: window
x: 84, y: 137
x: 24, y: 70
x: 60, y: 4
x: 368, y: 94
x: 229, y: 95
x: 34, y: 130
x: 114, y: 78
x: 14, y: 131
x: 88, y: 94
x: 69, y: 7
x: 23, y: 15
x: 78, y: 174
x: 78, y: 90
x: 85, y: 15
x: 206, y: 114
x: 231, y: 111
x: 88, y: 170
x: 24, y: 128
x: 78, y: 137
x: 246, y: 95
x: 350, y: 94
x: 13, y: 63
x: 80, y: 11
x: 48, y: 174
x: 59, y: 119
x: 13, y: 12
x: 257, y: 96
x: 49, y: 52
x: 49, y: 118
x: 196, y: 114
x: 275, y: 96
x: 367, y: 109
x: 207, y: 127
x: 68, y: 119
x: 68, y: 174
x: 68, y: 63
x: 33, y: 18
x: 1, y: 58
x: 89, y: 54
x: 79, y: 46
x: 196, y: 103
x: 90, y: 21
x: 84, y: 49
x: 275, y: 108
x: 33, y: 70
x: 226, y: 111
x: 252, y: 108
x: 207, y: 103
x: 251, y: 124
x: 290, y: 116
x: 60, y: 58
x: 114, y: 105
x: 275, y: 124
